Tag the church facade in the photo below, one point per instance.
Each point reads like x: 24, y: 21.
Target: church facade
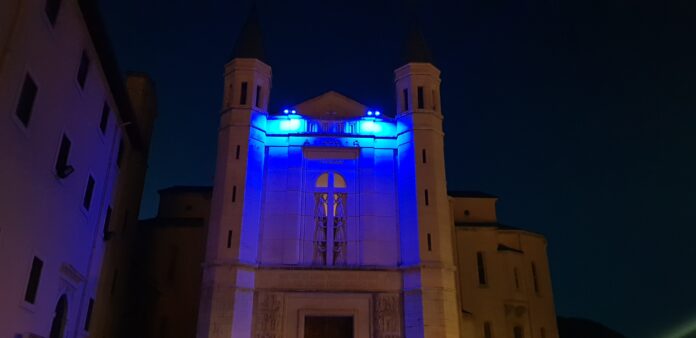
x: 333, y: 219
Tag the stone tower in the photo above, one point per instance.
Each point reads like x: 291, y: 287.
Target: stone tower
x: 430, y: 306
x: 232, y: 245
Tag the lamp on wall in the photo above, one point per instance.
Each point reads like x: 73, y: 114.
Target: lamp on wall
x: 65, y: 171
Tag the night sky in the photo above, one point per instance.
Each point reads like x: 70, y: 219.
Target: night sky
x: 579, y: 114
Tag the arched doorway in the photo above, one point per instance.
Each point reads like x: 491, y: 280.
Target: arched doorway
x: 59, y: 317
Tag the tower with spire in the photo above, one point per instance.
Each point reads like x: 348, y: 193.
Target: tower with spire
x: 232, y: 246
x: 430, y: 300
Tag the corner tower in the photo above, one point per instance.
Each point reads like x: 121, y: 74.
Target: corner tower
x: 430, y: 302
x: 232, y: 245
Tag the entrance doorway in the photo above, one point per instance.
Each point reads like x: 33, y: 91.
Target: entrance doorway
x: 59, y: 316
x: 328, y: 327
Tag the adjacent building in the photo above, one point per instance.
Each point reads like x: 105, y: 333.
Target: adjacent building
x: 171, y: 250
x: 73, y: 138
x: 504, y: 285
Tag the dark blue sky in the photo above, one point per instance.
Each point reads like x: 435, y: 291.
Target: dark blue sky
x: 579, y: 114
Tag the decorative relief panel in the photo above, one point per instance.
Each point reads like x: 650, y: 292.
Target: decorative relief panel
x: 387, y: 315
x: 515, y: 311
x: 268, y: 315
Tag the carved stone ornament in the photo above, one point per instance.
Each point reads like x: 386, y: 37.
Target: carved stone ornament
x: 387, y: 316
x: 268, y: 315
x: 512, y: 310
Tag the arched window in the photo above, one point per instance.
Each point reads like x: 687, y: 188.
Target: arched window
x: 518, y: 332
x: 322, y: 181
x: 330, y: 218
x: 59, y: 317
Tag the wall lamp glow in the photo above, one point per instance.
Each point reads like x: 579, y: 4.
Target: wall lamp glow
x: 377, y: 113
x: 293, y: 111
x: 370, y: 127
x: 369, y: 113
x: 286, y: 111
x: 290, y: 125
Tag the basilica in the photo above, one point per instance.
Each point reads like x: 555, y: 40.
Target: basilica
x: 333, y: 219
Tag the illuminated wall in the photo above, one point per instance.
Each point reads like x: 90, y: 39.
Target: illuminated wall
x: 361, y: 152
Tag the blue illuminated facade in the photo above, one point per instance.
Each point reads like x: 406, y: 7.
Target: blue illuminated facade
x: 330, y: 208
x: 326, y: 208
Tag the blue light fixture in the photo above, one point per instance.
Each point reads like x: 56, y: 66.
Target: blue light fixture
x: 285, y: 111
x: 290, y: 125
x: 369, y: 113
x: 294, y: 111
x: 370, y: 127
x: 377, y: 113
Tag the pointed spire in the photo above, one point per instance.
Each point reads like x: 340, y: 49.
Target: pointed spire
x: 249, y: 44
x: 415, y: 48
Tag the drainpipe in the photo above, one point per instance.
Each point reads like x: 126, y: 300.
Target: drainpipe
x: 97, y: 231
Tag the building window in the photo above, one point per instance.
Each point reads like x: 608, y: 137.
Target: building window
x: 82, y: 71
x: 518, y: 332
x: 229, y: 97
x: 481, y: 268
x: 487, y: 332
x: 88, y: 318
x: 114, y: 278
x: 425, y: 157
x: 104, y: 121
x: 163, y: 328
x: 405, y: 99
x: 258, y: 96
x: 430, y: 243
x: 330, y: 218
x: 171, y: 272
x: 236, y: 154
x: 52, y: 8
x: 107, y: 221
x: 534, y: 278
x: 34, y: 278
x: 542, y: 332
x: 421, y: 99
x: 89, y: 191
x: 26, y: 100
x: 434, y: 100
x: 427, y: 199
x: 234, y: 193
x: 119, y: 154
x: 63, y: 169
x: 229, y: 239
x: 124, y: 226
x: 243, y: 95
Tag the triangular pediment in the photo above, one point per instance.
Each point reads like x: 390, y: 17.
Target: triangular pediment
x: 331, y: 105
